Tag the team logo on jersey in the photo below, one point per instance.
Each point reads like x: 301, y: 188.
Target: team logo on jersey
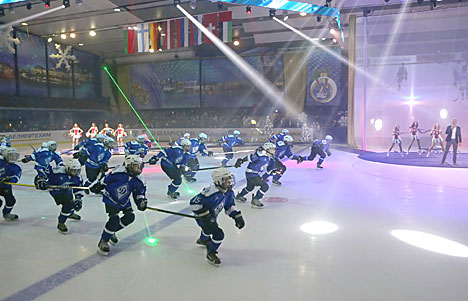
x: 2, y: 171
x: 218, y: 208
x: 122, y: 191
x: 323, y: 89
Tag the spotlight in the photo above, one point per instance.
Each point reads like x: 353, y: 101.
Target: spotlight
x: 49, y: 40
x: 63, y: 36
x: 334, y: 41
x: 151, y: 50
x: 24, y: 24
x: 272, y: 13
x: 92, y: 33
x: 28, y: 6
x: 46, y: 3
x: 80, y: 44
x: 176, y: 2
x: 117, y: 9
x: 248, y: 9
x: 2, y: 12
x: 236, y: 42
x: 193, y: 4
x: 303, y: 14
x: 73, y: 35
x: 319, y: 18
x: 66, y: 3
x: 332, y: 31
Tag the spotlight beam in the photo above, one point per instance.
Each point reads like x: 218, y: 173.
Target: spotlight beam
x: 256, y: 78
x: 334, y: 54
x: 13, y: 23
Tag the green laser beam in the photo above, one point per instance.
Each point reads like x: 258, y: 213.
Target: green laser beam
x: 147, y: 225
x: 138, y: 115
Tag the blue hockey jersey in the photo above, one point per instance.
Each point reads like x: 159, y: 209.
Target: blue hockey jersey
x: 58, y: 176
x: 258, y: 162
x: 323, y: 144
x: 120, y: 185
x: 11, y: 170
x: 277, y: 137
x: 197, y: 147
x: 214, y: 200
x: 83, y: 145
x: 173, y: 156
x: 136, y: 148
x: 229, y: 141
x: 43, y: 157
x: 284, y: 150
x: 97, y: 155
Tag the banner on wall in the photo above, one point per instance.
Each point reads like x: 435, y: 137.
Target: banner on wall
x: 177, y: 33
x: 323, y: 79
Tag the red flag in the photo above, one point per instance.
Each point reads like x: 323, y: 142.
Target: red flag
x: 164, y: 35
x: 130, y: 39
x: 210, y: 21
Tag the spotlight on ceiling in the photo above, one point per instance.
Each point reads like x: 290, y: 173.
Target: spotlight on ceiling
x: 248, y: 9
x: 303, y: 14
x: 66, y: 3
x: 272, y: 13
x: 236, y: 42
x: 92, y: 33
x: 73, y: 35
x: 63, y: 36
x: 28, y: 5
x: 49, y: 40
x: 193, y: 4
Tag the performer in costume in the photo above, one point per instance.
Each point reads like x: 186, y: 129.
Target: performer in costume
x: 75, y: 133
x: 436, y: 138
x: 92, y: 131
x: 119, y: 133
x: 396, y: 140
x: 414, y: 132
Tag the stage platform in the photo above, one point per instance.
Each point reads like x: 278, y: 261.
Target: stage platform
x: 414, y: 159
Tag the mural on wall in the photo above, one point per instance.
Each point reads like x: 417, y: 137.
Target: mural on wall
x: 171, y: 84
x: 60, y: 78
x: 7, y: 63
x: 87, y: 75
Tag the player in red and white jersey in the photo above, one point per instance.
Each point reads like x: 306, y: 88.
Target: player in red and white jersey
x: 93, y: 131
x: 119, y: 133
x: 75, y: 133
x: 436, y: 134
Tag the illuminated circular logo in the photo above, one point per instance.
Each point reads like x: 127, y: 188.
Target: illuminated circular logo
x: 323, y: 89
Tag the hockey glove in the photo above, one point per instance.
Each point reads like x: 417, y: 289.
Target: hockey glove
x: 97, y: 188
x: 41, y: 183
x: 328, y: 153
x: 26, y: 159
x: 78, y: 203
x: 104, y: 168
x: 77, y: 155
x: 239, y: 163
x: 210, y: 153
x: 240, y: 223
x: 5, y: 180
x: 299, y: 159
x: 77, y: 147
x: 153, y: 160
x: 142, y: 204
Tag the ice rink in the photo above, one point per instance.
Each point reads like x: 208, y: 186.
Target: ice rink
x: 271, y: 258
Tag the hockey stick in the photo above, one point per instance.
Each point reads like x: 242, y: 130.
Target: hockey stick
x: 49, y: 186
x: 236, y: 152
x: 171, y: 212
x: 214, y: 167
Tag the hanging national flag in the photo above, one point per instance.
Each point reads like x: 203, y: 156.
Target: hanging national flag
x: 143, y: 37
x: 172, y: 34
x: 195, y: 34
x: 181, y: 32
x: 186, y: 32
x: 164, y: 35
x: 130, y: 40
x: 225, y: 26
x: 210, y: 21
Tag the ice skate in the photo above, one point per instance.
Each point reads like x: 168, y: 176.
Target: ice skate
x: 256, y: 203
x: 62, y: 228
x: 103, y: 247
x: 212, y: 258
x: 10, y: 217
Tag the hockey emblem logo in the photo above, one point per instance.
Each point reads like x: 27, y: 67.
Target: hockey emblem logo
x: 323, y: 89
x: 122, y: 191
x: 218, y: 209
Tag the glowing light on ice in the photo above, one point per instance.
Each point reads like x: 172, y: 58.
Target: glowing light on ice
x: 319, y: 227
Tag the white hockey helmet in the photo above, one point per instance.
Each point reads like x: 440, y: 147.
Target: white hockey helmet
x: 2, y: 149
x: 269, y: 148
x: 285, y: 131
x: 6, y: 140
x: 187, y: 135
x: 288, y: 139
x: 223, y: 178
x: 100, y: 138
x: 202, y: 137
x: 141, y: 139
x: 236, y: 133
x: 44, y: 145
x: 133, y: 164
x: 329, y: 138
x: 186, y: 144
x: 52, y: 146
x: 109, y: 142
x: 11, y: 154
x: 72, y: 166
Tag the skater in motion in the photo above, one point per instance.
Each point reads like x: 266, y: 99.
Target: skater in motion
x: 280, y: 136
x: 117, y: 187
x: 208, y: 204
x: 396, y: 140
x: 321, y: 148
x: 436, y: 138
x: 10, y: 172
x: 228, y: 142
x: 414, y: 132
x: 137, y: 147
x: 198, y: 146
